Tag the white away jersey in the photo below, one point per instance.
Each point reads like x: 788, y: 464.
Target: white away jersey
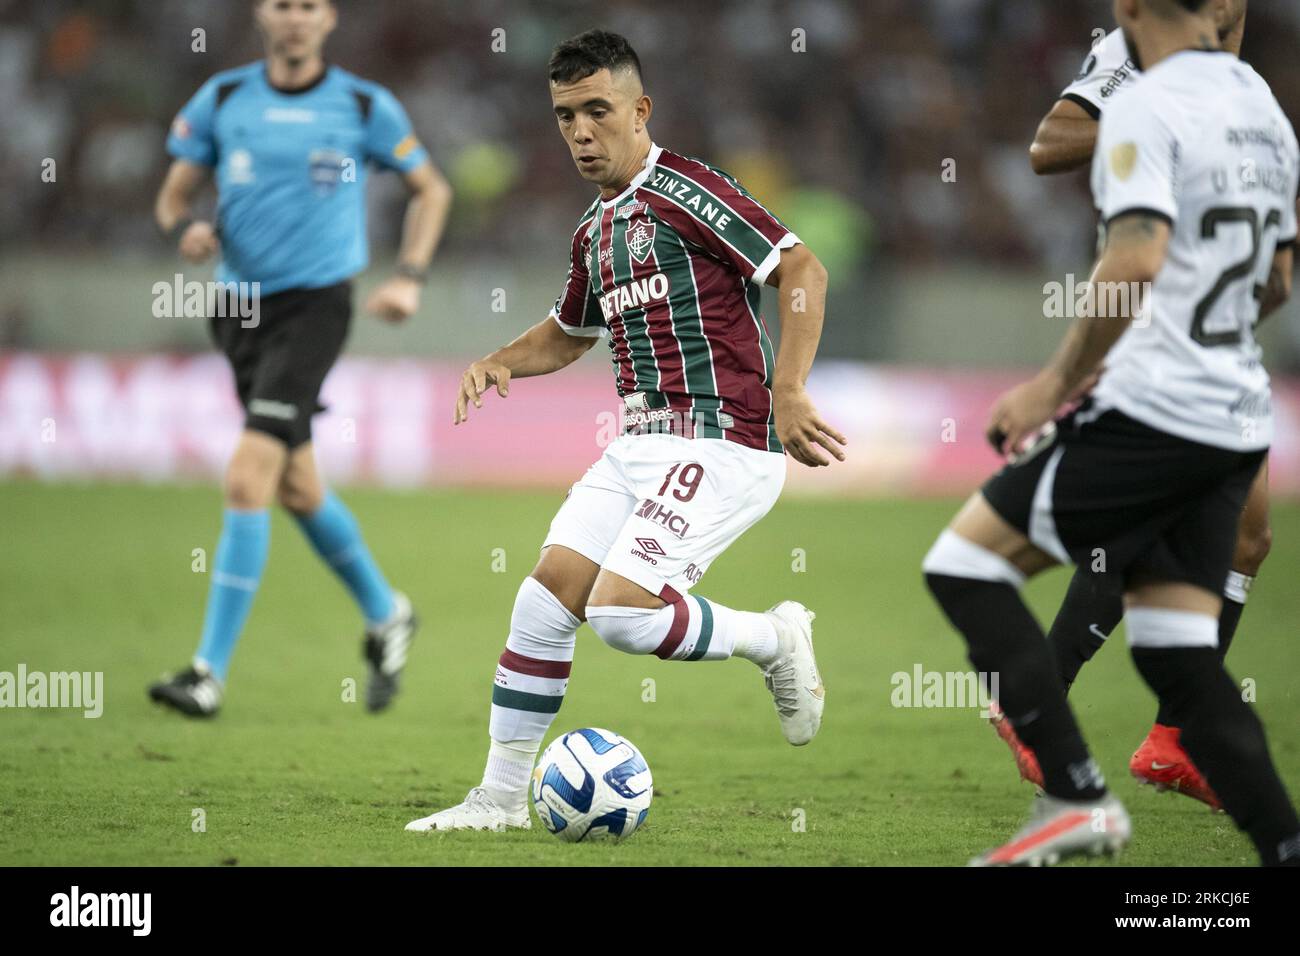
x: 1199, y: 141
x: 1107, y: 70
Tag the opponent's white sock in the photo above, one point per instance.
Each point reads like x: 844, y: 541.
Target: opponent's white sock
x: 692, y: 629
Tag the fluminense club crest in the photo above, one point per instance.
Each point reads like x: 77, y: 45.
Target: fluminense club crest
x: 640, y: 238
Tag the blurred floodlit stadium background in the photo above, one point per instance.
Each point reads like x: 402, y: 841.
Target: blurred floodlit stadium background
x: 937, y: 287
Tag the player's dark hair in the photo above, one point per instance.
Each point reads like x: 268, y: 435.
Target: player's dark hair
x: 579, y: 57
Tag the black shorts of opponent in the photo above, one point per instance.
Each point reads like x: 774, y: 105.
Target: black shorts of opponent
x: 1117, y: 497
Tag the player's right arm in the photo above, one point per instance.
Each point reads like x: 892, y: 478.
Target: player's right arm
x: 563, y: 337
x: 198, y: 238
x: 543, y: 349
x: 1065, y: 139
x: 193, y: 147
x: 1067, y: 135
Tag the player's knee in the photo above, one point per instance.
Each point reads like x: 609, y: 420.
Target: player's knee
x: 633, y: 630
x: 568, y: 576
x: 953, y: 556
x: 1253, y: 546
x: 247, y: 488
x: 299, y: 497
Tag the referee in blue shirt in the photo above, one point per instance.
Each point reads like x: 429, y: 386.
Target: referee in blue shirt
x: 289, y: 140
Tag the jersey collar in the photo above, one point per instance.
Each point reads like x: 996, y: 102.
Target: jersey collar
x: 651, y: 159
x: 325, y: 72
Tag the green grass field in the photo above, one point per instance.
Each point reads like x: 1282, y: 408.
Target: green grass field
x: 98, y: 578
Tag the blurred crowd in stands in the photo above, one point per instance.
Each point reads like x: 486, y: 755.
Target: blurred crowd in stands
x: 840, y: 115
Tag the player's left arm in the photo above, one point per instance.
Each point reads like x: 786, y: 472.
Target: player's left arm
x: 801, y: 279
x: 1136, y: 245
x: 1065, y: 139
x: 391, y: 143
x: 1276, y: 289
x: 426, y: 217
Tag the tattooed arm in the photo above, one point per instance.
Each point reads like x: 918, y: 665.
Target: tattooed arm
x: 1136, y: 244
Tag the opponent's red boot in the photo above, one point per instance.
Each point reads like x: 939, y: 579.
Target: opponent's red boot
x: 1162, y: 762
x: 1026, y: 762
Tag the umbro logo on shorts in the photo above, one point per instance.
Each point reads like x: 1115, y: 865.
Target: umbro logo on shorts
x: 651, y: 546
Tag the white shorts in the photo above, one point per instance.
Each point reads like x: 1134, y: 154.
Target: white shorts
x: 657, y: 509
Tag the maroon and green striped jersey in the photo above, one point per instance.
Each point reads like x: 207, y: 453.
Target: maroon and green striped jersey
x: 672, y: 270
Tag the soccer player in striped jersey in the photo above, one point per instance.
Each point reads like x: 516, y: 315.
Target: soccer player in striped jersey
x: 1093, y: 605
x: 668, y: 262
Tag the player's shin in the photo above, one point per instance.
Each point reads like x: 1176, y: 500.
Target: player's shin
x: 531, y: 678
x: 236, y: 574
x: 1220, y: 731
x: 1235, y: 592
x: 979, y: 592
x: 336, y: 536
x: 1091, y: 610
x: 691, y: 629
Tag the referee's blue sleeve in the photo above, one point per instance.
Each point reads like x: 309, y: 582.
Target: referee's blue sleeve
x: 191, y: 137
x: 390, y: 141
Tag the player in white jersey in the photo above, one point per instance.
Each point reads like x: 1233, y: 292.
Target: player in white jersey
x: 1094, y: 604
x: 1195, y: 176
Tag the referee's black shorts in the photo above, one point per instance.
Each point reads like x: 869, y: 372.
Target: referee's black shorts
x: 1117, y: 497
x: 280, y: 363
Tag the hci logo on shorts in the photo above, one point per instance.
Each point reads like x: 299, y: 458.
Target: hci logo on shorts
x: 674, y: 523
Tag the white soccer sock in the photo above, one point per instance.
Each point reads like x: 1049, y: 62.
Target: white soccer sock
x: 509, y: 766
x: 692, y: 629
x: 531, y: 678
x: 756, y: 639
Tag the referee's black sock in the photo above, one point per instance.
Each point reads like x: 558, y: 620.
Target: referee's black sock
x: 1091, y: 610
x: 1003, y: 639
x: 1229, y: 618
x: 1226, y: 741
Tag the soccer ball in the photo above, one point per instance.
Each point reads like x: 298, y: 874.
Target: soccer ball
x: 591, y: 784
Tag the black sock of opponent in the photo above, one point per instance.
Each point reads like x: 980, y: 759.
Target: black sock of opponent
x: 1226, y: 741
x: 1090, y: 612
x: 1004, y: 640
x: 1229, y: 618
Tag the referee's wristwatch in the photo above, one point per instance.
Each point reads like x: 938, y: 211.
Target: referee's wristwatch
x: 414, y: 273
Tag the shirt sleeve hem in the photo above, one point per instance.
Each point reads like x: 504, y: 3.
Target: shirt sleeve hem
x: 1141, y: 210
x: 582, y: 331
x: 1087, y: 105
x: 770, y: 261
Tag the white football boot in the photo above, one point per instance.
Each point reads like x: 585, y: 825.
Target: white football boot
x: 1062, y: 828
x: 478, y: 812
x: 792, y: 678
